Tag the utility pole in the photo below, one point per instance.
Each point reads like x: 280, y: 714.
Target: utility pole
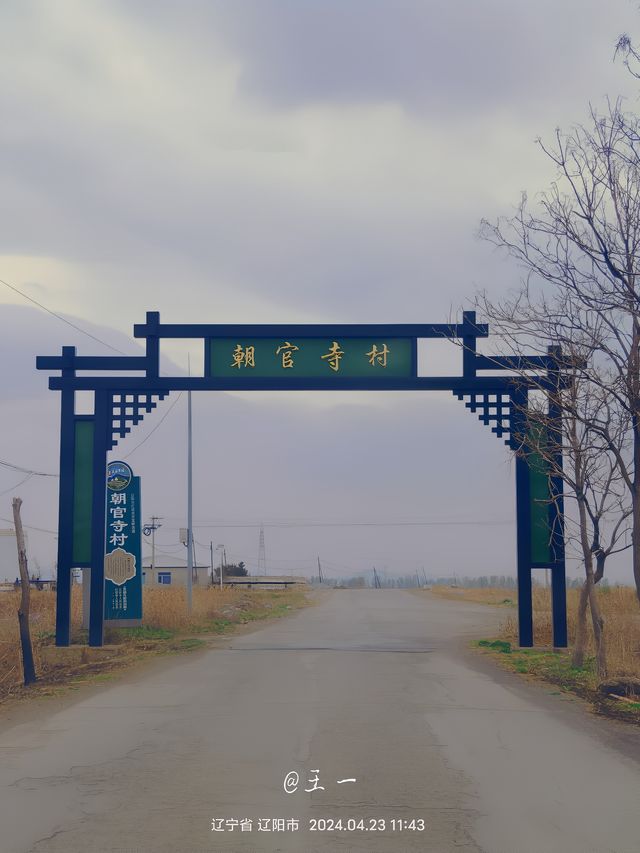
x: 211, y: 553
x: 153, y: 544
x: 320, y: 576
x: 189, y: 507
x: 151, y: 529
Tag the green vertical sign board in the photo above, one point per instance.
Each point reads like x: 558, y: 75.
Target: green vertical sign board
x: 82, y: 492
x: 123, y: 559
x: 540, y: 499
x: 303, y: 358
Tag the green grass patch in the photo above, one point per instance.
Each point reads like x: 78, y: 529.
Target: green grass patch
x: 47, y: 638
x: 265, y: 610
x: 551, y: 666
x: 188, y: 644
x: 145, y: 632
x: 218, y: 626
x: 501, y: 646
x: 556, y: 668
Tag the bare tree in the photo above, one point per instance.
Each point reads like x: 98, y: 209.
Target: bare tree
x: 597, y: 521
x: 592, y: 479
x: 579, y: 246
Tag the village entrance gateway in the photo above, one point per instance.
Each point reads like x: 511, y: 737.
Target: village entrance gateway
x: 304, y: 358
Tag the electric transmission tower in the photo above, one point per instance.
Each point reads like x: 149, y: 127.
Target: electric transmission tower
x: 262, y: 554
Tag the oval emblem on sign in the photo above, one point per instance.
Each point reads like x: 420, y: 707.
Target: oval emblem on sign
x: 119, y: 475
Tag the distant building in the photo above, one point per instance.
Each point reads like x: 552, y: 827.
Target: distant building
x: 265, y: 581
x: 172, y: 571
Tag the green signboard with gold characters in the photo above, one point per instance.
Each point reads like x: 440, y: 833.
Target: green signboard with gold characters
x: 311, y: 357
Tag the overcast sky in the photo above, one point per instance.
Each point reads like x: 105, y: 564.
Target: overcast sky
x: 276, y: 161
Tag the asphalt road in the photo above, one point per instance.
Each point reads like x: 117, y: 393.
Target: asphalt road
x: 371, y: 685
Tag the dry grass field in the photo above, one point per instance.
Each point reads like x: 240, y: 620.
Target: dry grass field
x: 166, y: 627
x: 481, y: 595
x: 621, y: 613
x: 619, y: 607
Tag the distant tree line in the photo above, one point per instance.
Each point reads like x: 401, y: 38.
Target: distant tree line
x: 412, y: 581
x: 232, y: 570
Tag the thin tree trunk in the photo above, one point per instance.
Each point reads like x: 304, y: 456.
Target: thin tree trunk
x: 636, y: 519
x: 28, y: 666
x: 577, y: 658
x: 598, y: 632
x: 588, y: 591
x: 633, y: 388
x: 587, y: 553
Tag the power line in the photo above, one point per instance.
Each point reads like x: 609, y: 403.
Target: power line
x: 17, y: 485
x: 173, y: 555
x: 172, y: 546
x: 58, y: 317
x: 31, y: 527
x: 25, y: 470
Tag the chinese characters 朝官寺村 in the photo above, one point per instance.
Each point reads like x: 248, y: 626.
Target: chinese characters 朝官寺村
x: 245, y: 356
x: 118, y: 502
x: 117, y: 537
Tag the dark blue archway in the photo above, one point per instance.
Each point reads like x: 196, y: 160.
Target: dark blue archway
x: 302, y: 357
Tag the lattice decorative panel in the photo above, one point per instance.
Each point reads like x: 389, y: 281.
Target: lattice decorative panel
x: 127, y: 410
x: 493, y: 408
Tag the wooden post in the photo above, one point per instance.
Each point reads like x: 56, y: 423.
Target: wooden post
x: 23, y: 613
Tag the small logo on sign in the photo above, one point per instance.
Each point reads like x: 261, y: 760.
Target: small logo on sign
x: 119, y: 566
x: 119, y: 475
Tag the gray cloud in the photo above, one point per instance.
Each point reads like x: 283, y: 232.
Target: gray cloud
x: 248, y: 205
x: 433, y: 57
